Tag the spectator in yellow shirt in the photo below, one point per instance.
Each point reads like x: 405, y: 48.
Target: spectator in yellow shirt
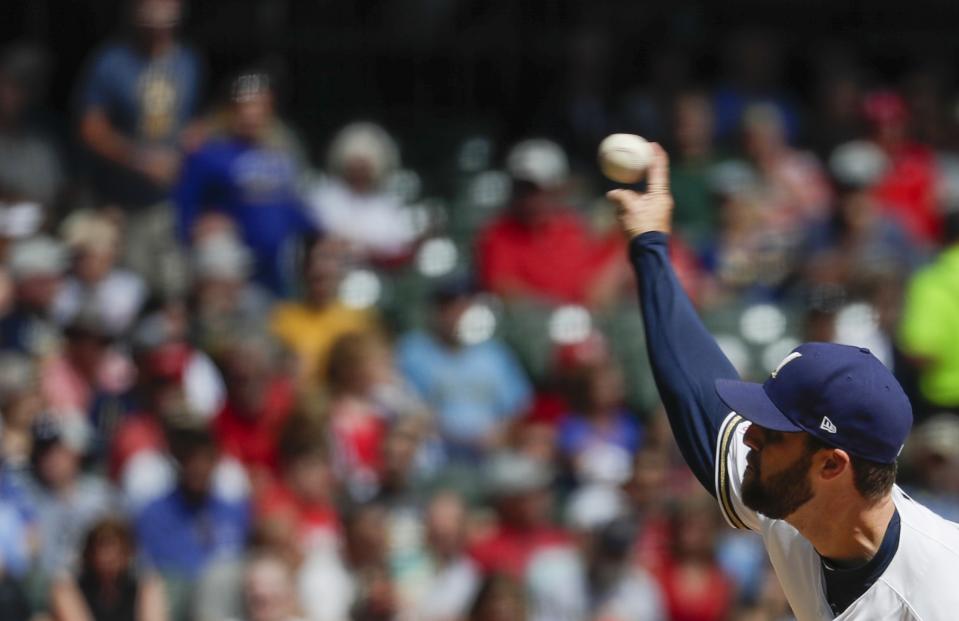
x: 309, y: 327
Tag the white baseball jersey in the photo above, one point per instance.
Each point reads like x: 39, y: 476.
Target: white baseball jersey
x: 921, y: 583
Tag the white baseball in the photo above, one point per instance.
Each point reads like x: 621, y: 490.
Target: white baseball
x: 624, y: 157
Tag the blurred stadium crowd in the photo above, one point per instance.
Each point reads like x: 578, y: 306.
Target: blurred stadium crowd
x: 236, y: 383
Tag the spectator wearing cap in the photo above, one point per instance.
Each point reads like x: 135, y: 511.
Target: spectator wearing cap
x: 182, y: 531
x: 860, y: 242
x: 309, y: 327
x: 352, y: 204
x: 65, y: 500
x: 518, y: 487
x: 539, y: 248
x: 475, y: 389
x: 136, y: 103
x: 86, y: 370
x: 138, y: 439
x: 175, y: 384
x: 166, y: 333
x: 96, y: 285
x: 907, y: 188
x: 224, y: 301
x: 31, y: 171
x: 931, y: 465
x: 250, y: 174
x: 36, y: 265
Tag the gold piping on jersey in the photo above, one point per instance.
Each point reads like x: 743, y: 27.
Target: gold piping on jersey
x: 723, y: 491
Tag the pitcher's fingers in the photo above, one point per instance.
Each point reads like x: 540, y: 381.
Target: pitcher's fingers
x: 658, y: 171
x: 622, y: 197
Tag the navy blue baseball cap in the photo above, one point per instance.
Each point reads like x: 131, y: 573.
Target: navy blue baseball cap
x: 839, y: 394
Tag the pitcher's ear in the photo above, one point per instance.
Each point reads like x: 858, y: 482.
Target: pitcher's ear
x: 834, y: 463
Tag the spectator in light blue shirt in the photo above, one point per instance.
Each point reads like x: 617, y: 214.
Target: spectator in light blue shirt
x: 64, y: 499
x: 180, y: 533
x: 476, y: 389
x: 14, y: 540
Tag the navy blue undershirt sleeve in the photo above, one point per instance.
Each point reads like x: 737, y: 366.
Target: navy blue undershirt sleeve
x: 685, y: 358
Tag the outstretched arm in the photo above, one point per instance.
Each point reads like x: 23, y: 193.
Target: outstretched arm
x: 685, y: 358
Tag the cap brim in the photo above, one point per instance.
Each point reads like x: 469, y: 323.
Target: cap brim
x: 749, y: 400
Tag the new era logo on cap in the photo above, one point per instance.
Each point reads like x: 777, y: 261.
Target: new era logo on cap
x: 839, y: 394
x: 827, y: 425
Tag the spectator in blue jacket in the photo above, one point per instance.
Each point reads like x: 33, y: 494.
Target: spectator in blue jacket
x: 249, y: 173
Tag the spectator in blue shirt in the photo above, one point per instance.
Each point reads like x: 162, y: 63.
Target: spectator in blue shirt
x: 136, y: 104
x: 476, y: 389
x: 249, y: 174
x: 138, y: 97
x: 183, y: 531
x: 15, y: 536
x: 599, y: 437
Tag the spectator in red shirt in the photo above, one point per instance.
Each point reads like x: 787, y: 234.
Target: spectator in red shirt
x: 908, y: 187
x: 158, y: 394
x: 694, y: 586
x: 358, y: 364
x: 258, y: 403
x: 540, y: 248
x: 303, y: 495
x: 519, y: 487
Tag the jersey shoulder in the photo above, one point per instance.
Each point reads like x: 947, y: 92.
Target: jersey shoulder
x: 923, y: 571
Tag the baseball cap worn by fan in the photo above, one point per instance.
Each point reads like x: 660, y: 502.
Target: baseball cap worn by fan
x: 539, y: 162
x: 512, y: 474
x: 839, y: 394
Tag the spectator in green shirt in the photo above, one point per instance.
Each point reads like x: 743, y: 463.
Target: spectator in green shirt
x: 930, y: 325
x: 690, y: 172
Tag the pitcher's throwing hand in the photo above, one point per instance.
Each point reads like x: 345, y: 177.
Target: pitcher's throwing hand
x: 640, y: 213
